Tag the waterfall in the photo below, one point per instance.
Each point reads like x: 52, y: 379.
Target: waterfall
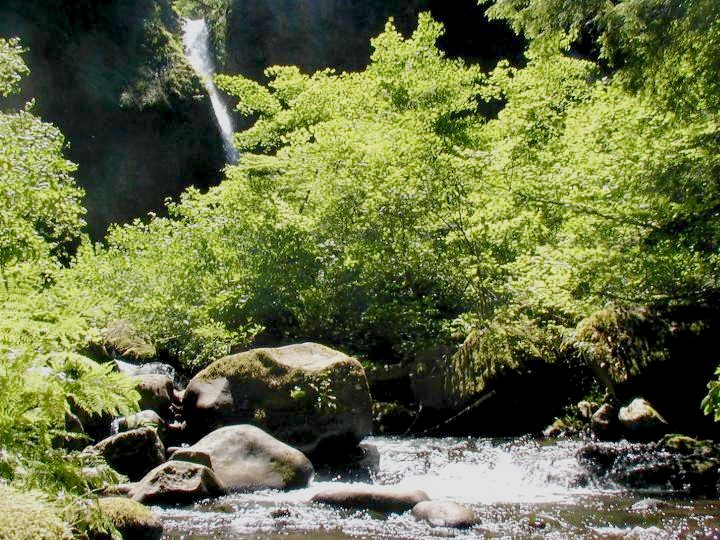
x: 196, y: 39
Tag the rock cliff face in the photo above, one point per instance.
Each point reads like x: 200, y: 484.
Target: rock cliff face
x: 337, y: 33
x: 112, y: 76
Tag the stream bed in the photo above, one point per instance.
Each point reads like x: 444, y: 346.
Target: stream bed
x: 519, y: 488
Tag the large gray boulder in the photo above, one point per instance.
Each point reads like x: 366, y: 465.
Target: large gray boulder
x: 177, y: 482
x: 246, y: 458
x: 133, y: 453
x: 445, y: 514
x: 371, y: 497
x: 307, y: 395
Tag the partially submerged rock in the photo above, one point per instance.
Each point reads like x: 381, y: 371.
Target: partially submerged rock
x: 308, y: 395
x: 675, y: 463
x: 133, y: 453
x: 132, y: 519
x: 370, y: 497
x: 177, y: 482
x: 445, y: 514
x: 246, y: 458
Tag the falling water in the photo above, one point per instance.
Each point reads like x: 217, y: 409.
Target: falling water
x: 196, y: 38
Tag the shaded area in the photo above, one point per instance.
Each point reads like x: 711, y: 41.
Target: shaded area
x: 112, y: 76
x: 337, y: 33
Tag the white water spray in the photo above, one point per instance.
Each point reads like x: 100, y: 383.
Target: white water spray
x: 196, y: 39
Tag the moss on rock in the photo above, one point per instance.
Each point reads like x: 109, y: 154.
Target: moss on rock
x: 303, y: 394
x: 132, y: 519
x: 29, y: 516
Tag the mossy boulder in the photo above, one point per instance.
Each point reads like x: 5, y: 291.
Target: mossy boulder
x: 132, y: 519
x: 641, y: 422
x: 29, y: 516
x: 120, y: 339
x: 307, y: 395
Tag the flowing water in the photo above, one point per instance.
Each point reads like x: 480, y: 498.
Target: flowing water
x: 519, y: 488
x: 196, y: 38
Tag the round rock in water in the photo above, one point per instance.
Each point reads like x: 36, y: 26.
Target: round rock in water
x: 246, y: 458
x: 369, y: 497
x: 177, y: 482
x: 445, y: 514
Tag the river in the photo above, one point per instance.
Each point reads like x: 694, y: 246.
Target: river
x: 519, y: 488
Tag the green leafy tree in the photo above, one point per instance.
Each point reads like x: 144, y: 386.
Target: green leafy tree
x: 43, y: 329
x: 40, y: 210
x: 343, y: 222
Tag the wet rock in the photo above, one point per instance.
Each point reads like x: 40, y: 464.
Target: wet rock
x: 556, y: 429
x: 641, y: 422
x: 445, y: 514
x: 586, y: 409
x: 131, y: 519
x: 311, y: 396
x: 604, y: 423
x: 638, y: 466
x: 280, y: 513
x: 369, y: 497
x: 133, y: 453
x: 247, y: 458
x: 178, y: 482
x: 650, y: 505
x: 119, y: 490
x: 149, y: 419
x: 156, y: 393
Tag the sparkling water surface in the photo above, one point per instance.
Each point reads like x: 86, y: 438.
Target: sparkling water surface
x: 519, y: 488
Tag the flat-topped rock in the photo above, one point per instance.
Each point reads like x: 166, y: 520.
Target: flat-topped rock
x: 370, y: 497
x: 445, y: 514
x: 177, y: 482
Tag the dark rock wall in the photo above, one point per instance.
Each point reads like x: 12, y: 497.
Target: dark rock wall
x: 112, y: 76
x: 336, y: 33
